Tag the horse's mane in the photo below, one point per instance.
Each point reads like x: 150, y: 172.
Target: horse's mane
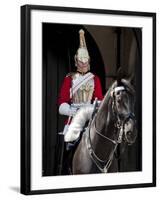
x: 108, y: 94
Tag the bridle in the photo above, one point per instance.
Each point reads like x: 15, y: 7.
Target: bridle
x: 104, y: 165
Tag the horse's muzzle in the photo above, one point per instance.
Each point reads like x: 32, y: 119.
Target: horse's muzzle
x: 130, y: 136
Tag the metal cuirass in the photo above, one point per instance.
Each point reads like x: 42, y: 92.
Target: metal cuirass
x: 85, y: 92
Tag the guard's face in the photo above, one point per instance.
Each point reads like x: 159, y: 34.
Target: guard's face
x: 82, y: 66
x: 82, y: 60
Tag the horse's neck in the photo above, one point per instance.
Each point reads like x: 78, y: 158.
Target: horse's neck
x: 104, y: 120
x: 102, y: 125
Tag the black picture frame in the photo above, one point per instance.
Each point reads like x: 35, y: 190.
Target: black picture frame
x: 26, y: 95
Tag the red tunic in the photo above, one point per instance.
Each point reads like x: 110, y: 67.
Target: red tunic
x: 64, y: 95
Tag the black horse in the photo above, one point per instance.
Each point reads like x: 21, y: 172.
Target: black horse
x: 113, y: 124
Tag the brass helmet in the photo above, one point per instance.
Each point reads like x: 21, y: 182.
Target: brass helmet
x: 82, y: 54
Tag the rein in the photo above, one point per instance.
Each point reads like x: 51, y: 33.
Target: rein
x: 103, y: 165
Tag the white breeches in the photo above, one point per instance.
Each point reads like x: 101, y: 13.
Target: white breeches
x: 78, y: 122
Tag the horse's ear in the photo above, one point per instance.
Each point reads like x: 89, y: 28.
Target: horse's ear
x: 130, y: 78
x: 120, y: 75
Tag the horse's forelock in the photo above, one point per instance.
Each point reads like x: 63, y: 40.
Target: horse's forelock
x: 123, y: 82
x: 128, y: 85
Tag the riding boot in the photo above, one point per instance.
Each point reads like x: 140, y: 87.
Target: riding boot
x: 69, y: 157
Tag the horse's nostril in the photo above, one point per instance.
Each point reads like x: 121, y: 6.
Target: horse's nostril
x: 129, y: 133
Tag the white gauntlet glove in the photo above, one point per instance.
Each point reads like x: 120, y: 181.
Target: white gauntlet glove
x: 73, y: 111
x: 66, y: 109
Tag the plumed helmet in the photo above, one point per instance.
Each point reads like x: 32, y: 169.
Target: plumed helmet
x: 82, y: 52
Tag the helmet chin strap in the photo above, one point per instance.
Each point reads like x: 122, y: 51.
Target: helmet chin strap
x: 81, y: 70
x: 83, y: 73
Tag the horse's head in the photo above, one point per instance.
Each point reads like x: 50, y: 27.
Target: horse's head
x: 123, y: 96
x: 123, y: 106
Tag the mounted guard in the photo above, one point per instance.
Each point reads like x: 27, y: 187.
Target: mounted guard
x: 79, y: 90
